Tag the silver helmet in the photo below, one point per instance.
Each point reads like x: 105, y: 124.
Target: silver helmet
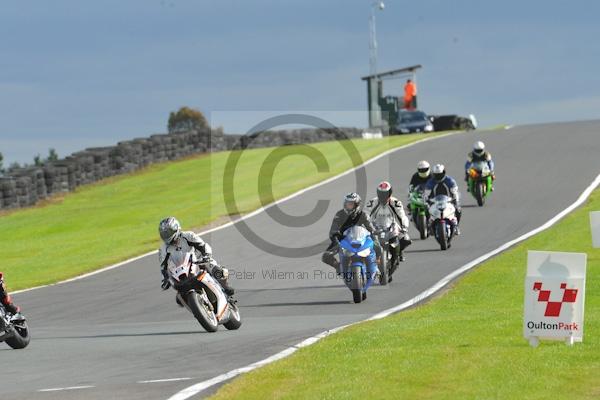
x: 352, y: 204
x: 438, y: 172
x: 169, y: 229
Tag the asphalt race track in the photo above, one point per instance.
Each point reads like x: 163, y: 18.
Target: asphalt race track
x: 112, y: 331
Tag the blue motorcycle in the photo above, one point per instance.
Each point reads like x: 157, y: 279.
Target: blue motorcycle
x: 357, y: 261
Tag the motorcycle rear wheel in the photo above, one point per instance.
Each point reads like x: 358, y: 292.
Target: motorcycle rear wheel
x: 205, y: 317
x: 235, y: 320
x: 21, y: 338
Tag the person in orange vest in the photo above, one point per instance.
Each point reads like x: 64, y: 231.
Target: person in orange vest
x: 410, y: 94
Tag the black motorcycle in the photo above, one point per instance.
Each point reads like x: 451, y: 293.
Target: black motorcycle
x: 389, y: 238
x: 13, y: 329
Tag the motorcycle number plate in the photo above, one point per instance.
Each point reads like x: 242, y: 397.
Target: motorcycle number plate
x: 178, y: 271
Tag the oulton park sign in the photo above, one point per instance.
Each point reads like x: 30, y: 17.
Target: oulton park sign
x: 554, y: 296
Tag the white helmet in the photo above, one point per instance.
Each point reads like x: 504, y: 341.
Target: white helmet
x: 439, y: 172
x: 423, y: 169
x: 478, y: 148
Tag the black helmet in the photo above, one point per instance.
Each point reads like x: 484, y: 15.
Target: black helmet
x: 169, y: 229
x: 384, y: 192
x: 438, y: 172
x: 352, y: 204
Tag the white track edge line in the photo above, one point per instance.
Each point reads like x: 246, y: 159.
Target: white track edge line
x: 165, y: 380
x: 65, y: 388
x: 251, y: 214
x: 199, y: 387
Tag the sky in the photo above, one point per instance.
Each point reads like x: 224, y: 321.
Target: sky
x: 77, y: 74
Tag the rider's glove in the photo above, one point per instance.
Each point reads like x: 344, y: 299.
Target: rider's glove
x: 225, y: 272
x: 335, y: 238
x: 165, y: 284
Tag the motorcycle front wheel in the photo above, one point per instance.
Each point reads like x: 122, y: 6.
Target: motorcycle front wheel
x: 480, y: 194
x: 422, y: 224
x: 203, y: 313
x: 385, y: 268
x: 357, y: 283
x: 442, y: 237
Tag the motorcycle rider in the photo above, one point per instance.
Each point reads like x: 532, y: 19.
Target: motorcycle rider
x: 351, y: 215
x: 479, y: 154
x: 385, y: 202
x: 6, y: 299
x: 174, y: 240
x: 421, y: 177
x: 441, y: 183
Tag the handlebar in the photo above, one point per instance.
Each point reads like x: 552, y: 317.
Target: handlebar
x: 203, y: 260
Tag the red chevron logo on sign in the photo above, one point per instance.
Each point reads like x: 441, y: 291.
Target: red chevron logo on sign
x: 553, y: 308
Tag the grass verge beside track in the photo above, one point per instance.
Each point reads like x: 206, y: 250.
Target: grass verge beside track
x: 465, y: 344
x: 110, y: 221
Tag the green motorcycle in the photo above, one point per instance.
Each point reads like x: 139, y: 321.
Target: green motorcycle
x: 418, y: 211
x: 479, y: 181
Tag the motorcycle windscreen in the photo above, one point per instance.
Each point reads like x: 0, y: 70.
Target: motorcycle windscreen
x: 481, y: 166
x: 356, y: 235
x: 179, y: 263
x: 441, y: 201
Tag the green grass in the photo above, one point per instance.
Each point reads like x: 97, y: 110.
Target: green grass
x: 104, y: 223
x: 465, y: 344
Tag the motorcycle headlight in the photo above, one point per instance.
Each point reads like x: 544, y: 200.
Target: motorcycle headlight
x: 428, y: 128
x: 364, y: 253
x: 404, y: 130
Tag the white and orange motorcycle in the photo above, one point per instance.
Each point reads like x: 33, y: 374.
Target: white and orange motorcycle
x: 200, y: 293
x: 442, y: 220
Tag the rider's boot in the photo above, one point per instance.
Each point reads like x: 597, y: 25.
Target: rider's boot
x: 404, y: 243
x: 10, y: 306
x: 229, y: 291
x: 401, y: 257
x: 221, y: 275
x: 178, y: 301
x: 329, y: 259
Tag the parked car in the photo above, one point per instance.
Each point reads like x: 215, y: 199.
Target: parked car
x: 413, y: 121
x: 453, y: 122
